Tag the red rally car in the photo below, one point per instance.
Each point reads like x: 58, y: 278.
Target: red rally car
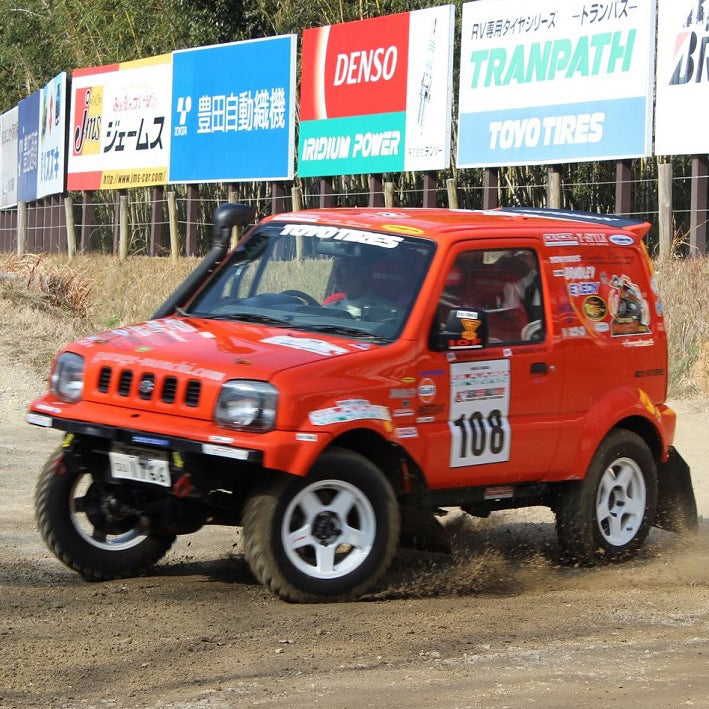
x: 343, y: 374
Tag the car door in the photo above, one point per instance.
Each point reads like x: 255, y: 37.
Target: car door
x: 501, y: 423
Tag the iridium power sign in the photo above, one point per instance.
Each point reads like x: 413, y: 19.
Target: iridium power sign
x: 547, y: 82
x: 376, y: 94
x: 682, y: 77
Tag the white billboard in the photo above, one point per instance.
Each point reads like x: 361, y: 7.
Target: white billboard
x: 555, y: 81
x: 8, y: 157
x: 682, y: 91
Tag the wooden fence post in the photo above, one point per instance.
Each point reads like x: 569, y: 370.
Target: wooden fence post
x: 388, y: 195
x: 192, y: 220
x: 623, y: 187
x: 698, y: 206
x: 327, y: 197
x: 278, y: 198
x: 156, y: 218
x: 87, y: 220
x: 123, y: 228
x: 430, y: 187
x: 376, y: 196
x: 297, y: 198
x: 174, y: 229
x: 664, y: 204
x: 70, y: 235
x: 21, y: 227
x: 452, y: 188
x: 491, y: 180
x: 554, y: 186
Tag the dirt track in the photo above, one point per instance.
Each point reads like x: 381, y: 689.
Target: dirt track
x: 501, y: 624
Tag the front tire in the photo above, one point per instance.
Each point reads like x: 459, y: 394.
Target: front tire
x: 73, y: 512
x: 327, y: 536
x: 608, y: 514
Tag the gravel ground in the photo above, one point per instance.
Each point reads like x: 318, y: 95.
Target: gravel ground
x: 498, y: 624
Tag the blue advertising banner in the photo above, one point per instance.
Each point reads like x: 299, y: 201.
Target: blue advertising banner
x: 27, y: 148
x: 233, y: 112
x: 52, y: 132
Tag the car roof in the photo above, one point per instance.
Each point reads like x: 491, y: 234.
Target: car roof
x: 434, y: 222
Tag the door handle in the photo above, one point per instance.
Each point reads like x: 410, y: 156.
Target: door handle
x: 539, y: 368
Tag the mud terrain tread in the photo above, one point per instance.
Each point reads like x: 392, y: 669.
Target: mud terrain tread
x: 259, y: 516
x: 123, y: 568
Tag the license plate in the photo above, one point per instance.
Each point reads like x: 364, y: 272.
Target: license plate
x: 144, y: 466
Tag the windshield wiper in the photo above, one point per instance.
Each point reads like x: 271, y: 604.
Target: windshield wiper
x: 347, y: 332
x: 246, y: 317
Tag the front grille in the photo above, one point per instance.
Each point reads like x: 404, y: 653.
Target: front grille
x: 169, y: 390
x: 149, y: 386
x: 104, y: 379
x: 124, y: 382
x: 194, y: 387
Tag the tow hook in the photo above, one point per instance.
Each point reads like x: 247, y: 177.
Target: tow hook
x: 183, y: 486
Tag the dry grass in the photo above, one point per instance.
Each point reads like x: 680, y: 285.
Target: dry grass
x: 684, y: 288
x: 46, y: 302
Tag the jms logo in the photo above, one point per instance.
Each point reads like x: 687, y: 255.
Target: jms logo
x: 87, y: 121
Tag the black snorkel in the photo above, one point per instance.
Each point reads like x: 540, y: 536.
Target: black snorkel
x: 226, y: 216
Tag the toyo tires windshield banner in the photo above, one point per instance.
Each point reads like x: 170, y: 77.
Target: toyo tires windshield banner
x: 376, y: 95
x: 555, y: 81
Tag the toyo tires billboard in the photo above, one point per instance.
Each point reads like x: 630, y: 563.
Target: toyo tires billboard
x: 376, y: 94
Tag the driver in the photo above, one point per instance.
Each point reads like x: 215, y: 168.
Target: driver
x: 352, y: 279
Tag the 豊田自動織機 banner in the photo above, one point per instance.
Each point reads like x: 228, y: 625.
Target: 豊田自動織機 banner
x: 555, y: 81
x: 120, y: 125
x: 376, y: 94
x: 233, y: 111
x: 682, y: 86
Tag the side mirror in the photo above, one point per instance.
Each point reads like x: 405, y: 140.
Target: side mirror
x: 465, y: 330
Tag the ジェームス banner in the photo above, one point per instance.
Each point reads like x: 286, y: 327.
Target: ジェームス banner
x: 120, y: 125
x: 8, y: 157
x: 233, y: 112
x: 555, y: 81
x: 682, y: 95
x: 376, y: 94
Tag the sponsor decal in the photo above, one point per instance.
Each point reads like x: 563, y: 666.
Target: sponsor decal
x: 594, y: 308
x: 385, y: 241
x: 425, y: 419
x: 429, y: 410
x: 407, y: 432
x: 646, y: 342
x: 566, y: 258
x: 572, y: 332
x: 402, y: 393
x: 39, y: 420
x: 221, y: 439
x: 408, y: 380
x: 630, y: 313
x: 307, y: 437
x: 427, y: 390
x: 499, y: 492
x: 224, y: 452
x: 431, y: 373
x: 51, y: 409
x: 403, y: 413
x: 306, y: 343
x: 649, y: 373
x: 349, y: 410
x: 187, y: 368
x: 601, y: 327
x: 621, y: 239
x: 150, y: 441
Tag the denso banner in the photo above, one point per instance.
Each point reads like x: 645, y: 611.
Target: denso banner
x: 8, y: 157
x: 233, y: 112
x: 120, y: 125
x: 555, y: 81
x: 27, y: 147
x: 682, y: 96
x: 376, y: 94
x: 52, y: 137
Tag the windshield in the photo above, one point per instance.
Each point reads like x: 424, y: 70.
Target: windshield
x: 319, y: 278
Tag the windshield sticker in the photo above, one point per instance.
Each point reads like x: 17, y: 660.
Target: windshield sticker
x: 479, y: 409
x: 349, y: 410
x: 386, y: 241
x: 306, y: 343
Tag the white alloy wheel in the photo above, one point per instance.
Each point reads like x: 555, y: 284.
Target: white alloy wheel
x: 328, y: 529
x: 620, y: 501
x: 87, y: 507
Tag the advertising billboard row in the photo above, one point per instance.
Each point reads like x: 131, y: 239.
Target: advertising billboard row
x: 559, y: 81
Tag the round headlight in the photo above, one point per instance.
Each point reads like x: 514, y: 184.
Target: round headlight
x: 67, y: 381
x: 247, y: 405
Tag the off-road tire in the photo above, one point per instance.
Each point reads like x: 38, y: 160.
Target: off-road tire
x: 586, y: 540
x: 53, y: 514
x: 364, y: 486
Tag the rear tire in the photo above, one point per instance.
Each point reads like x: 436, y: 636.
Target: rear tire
x: 608, y: 514
x: 71, y: 512
x: 327, y: 536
